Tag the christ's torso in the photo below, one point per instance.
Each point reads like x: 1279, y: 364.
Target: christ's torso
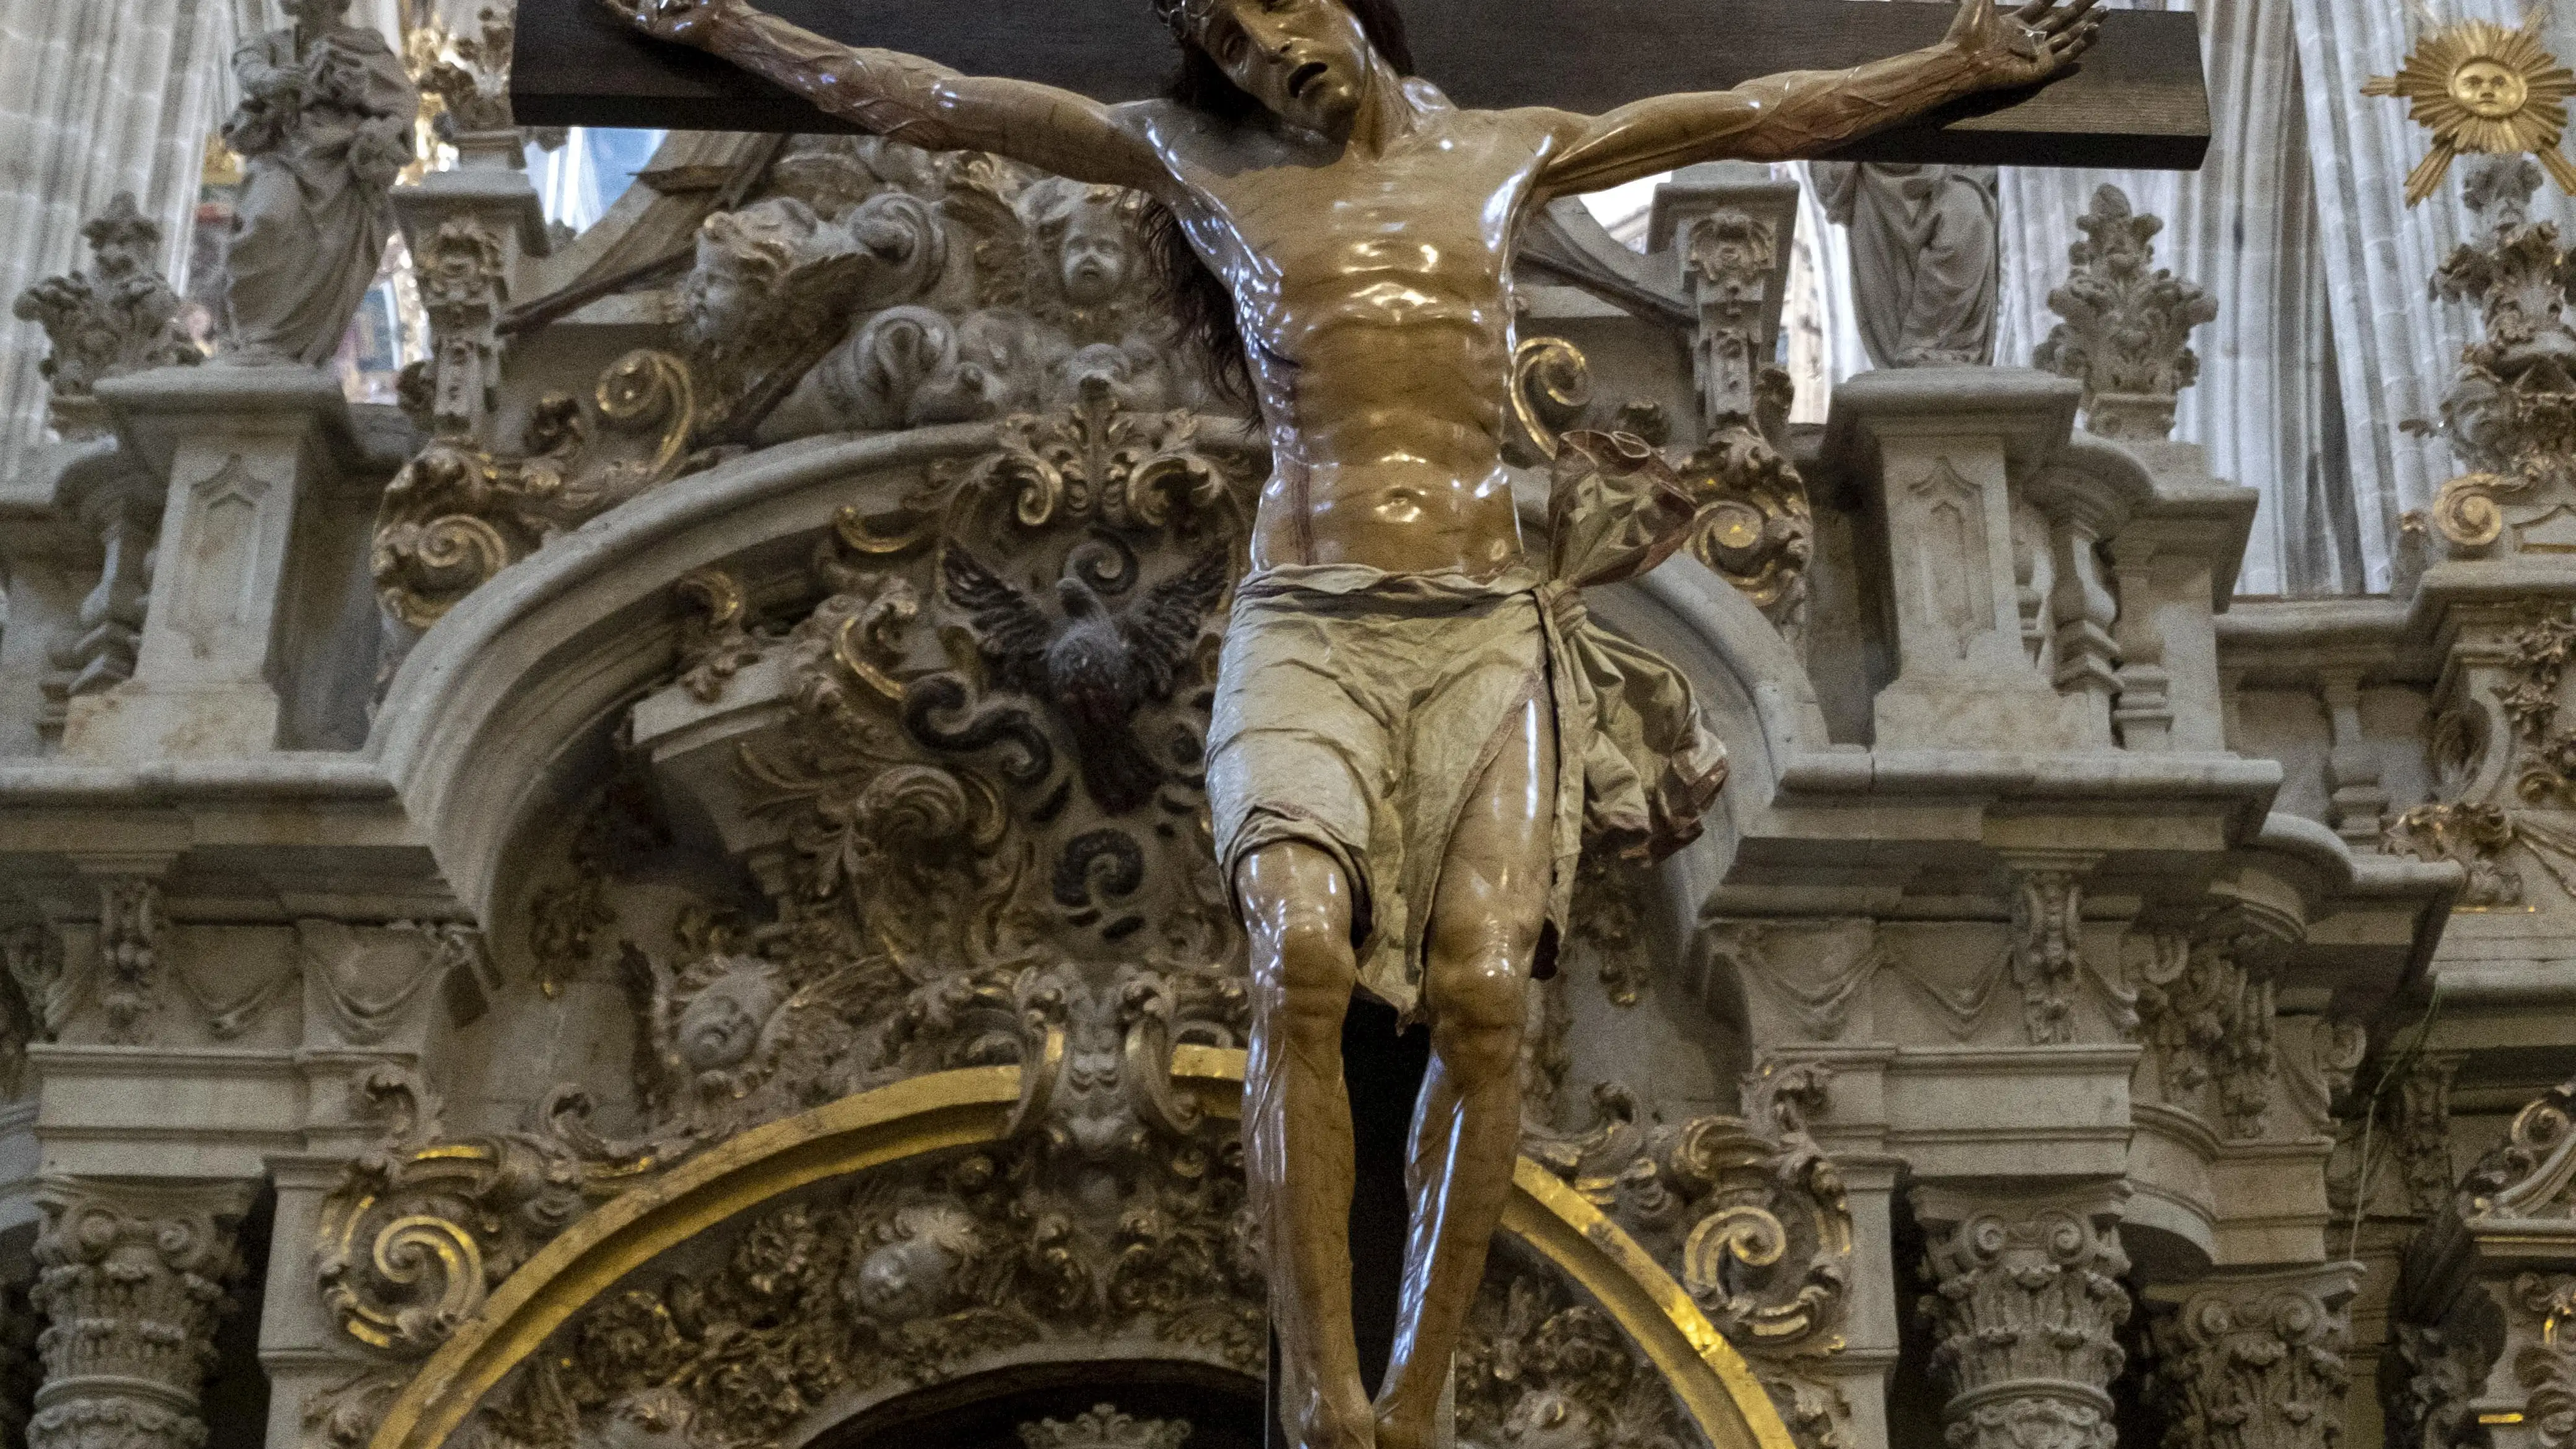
x: 1375, y: 302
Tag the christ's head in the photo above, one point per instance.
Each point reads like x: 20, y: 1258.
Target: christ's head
x: 1307, y: 62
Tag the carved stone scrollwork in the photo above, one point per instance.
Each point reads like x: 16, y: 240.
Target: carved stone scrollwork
x: 455, y: 515
x: 118, y: 316
x: 2475, y: 836
x: 1747, y: 1213
x: 2027, y: 1304
x: 2255, y: 1362
x: 467, y: 77
x: 1538, y: 1370
x: 2532, y: 1173
x: 2546, y: 1365
x: 1756, y: 526
x: 421, y: 1228
x: 2127, y: 324
x: 131, y: 1278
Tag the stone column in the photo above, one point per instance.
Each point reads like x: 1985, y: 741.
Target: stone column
x: 2254, y: 1360
x: 239, y: 449
x: 2026, y: 1300
x: 131, y: 1278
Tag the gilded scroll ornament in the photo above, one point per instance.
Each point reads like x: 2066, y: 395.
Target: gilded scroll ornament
x: 456, y: 515
x: 2483, y: 89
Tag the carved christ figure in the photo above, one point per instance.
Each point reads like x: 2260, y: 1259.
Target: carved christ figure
x: 1416, y: 727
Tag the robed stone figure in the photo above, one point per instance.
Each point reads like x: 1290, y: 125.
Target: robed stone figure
x: 1416, y: 726
x: 324, y: 126
x: 1926, y: 252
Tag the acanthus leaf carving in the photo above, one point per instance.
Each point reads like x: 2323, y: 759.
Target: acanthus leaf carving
x: 2255, y: 1363
x: 2128, y: 323
x: 117, y: 316
x: 131, y: 1279
x: 2027, y: 1304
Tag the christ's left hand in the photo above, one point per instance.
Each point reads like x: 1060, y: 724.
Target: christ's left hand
x: 2037, y: 42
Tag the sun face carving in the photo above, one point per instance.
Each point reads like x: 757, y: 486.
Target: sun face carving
x: 2483, y: 89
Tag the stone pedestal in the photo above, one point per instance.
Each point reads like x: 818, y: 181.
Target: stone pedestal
x: 239, y: 449
x: 1943, y: 451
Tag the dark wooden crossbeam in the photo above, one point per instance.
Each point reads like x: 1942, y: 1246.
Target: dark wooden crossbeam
x: 2137, y: 101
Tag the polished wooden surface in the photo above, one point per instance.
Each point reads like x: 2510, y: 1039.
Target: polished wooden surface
x: 2137, y: 101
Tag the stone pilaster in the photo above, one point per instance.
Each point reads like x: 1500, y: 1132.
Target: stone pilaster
x: 2025, y: 1304
x: 131, y: 1278
x: 1732, y: 227
x: 2254, y: 1360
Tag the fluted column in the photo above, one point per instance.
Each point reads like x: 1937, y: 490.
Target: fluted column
x: 131, y: 1278
x: 2254, y: 1360
x: 2025, y: 1304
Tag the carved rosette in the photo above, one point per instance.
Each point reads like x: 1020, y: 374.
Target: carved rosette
x: 2255, y: 1362
x: 2026, y: 1304
x: 131, y: 1278
x: 2128, y: 323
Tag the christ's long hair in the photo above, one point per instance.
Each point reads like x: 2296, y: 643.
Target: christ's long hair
x: 1200, y: 301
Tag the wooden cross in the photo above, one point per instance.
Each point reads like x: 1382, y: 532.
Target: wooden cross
x: 2138, y: 100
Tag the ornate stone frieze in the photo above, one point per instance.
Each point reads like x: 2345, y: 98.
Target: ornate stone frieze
x: 456, y: 515
x: 2209, y: 1027
x: 1540, y: 1369
x: 128, y: 975
x: 2511, y: 411
x: 2128, y: 323
x: 131, y: 1278
x: 465, y: 78
x: 2026, y: 1306
x: 1104, y: 1427
x: 463, y: 273
x: 2047, y: 950
x: 2255, y: 1362
x: 117, y: 316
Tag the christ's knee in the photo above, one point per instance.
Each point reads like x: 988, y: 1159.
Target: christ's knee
x: 1478, y: 1005
x: 1303, y: 966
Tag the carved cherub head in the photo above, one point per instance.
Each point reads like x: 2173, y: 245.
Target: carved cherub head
x: 1086, y: 238
x: 744, y: 257
x: 720, y: 1027
x: 912, y: 1273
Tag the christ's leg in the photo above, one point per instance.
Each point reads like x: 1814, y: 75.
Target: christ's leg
x: 1484, y: 928
x: 1297, y: 1134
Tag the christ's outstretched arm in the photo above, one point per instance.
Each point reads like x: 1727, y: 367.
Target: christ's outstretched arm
x: 909, y: 99
x: 1801, y: 113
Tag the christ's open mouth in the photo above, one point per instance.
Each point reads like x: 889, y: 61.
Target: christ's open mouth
x: 1304, y: 76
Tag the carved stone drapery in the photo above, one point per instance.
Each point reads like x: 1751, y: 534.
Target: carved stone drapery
x: 2026, y: 1304
x: 117, y: 316
x: 2127, y: 324
x: 2254, y: 1361
x: 131, y: 1278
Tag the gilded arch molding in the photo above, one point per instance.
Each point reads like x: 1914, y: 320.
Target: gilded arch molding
x: 1713, y: 1384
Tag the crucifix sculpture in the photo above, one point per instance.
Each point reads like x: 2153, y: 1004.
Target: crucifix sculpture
x: 1415, y: 724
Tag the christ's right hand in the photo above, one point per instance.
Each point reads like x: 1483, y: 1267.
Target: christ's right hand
x: 686, y: 21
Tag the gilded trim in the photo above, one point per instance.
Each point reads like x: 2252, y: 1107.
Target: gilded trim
x: 947, y: 1110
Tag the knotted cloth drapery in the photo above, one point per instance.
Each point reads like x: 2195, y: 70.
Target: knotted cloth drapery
x: 1356, y: 709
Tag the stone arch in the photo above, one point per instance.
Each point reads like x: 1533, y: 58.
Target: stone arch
x: 1714, y: 1387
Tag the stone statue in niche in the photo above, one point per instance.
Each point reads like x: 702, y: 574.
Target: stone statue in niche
x: 324, y: 126
x: 1926, y: 258
x: 1415, y: 724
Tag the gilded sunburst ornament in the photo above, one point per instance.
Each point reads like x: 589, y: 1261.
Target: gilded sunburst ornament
x: 2483, y: 89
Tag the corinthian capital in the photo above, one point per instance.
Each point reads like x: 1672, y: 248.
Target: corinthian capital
x: 2026, y: 1301
x: 2254, y: 1361
x: 131, y: 1278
